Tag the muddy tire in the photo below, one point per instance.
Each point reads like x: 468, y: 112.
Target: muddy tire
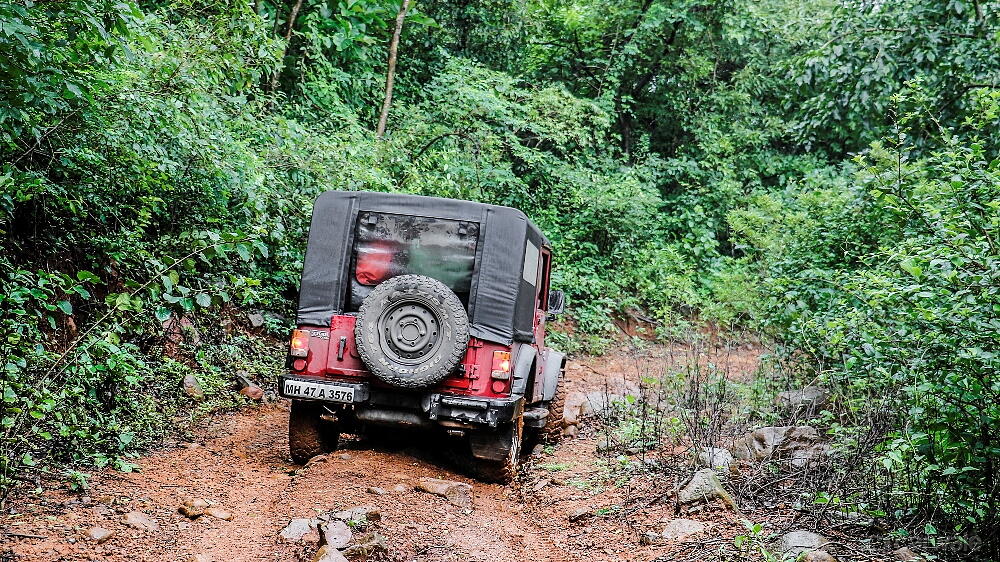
x: 553, y: 430
x: 411, y: 331
x: 506, y: 444
x: 308, y: 434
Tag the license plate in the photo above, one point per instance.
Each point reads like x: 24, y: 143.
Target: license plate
x: 318, y: 391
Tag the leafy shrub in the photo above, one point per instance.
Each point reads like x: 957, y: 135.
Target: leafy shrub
x: 892, y: 285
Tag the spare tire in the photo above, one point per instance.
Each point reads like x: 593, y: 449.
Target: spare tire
x: 411, y: 331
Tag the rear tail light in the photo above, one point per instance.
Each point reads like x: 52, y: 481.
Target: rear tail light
x: 501, y: 365
x: 300, y: 344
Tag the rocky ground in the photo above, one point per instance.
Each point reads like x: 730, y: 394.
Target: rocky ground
x: 231, y: 493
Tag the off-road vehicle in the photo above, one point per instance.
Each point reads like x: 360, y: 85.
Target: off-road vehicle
x: 425, y: 313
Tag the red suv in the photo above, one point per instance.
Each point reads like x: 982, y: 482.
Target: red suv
x: 423, y: 312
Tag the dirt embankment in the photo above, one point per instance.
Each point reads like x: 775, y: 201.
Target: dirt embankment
x: 568, y: 504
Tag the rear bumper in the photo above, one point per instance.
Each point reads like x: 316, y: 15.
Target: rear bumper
x: 387, y: 406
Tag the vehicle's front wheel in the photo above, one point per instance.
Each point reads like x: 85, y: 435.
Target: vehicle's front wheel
x: 496, y: 456
x: 308, y: 434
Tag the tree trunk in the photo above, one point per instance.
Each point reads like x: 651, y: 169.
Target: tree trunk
x: 391, y: 73
x: 288, y: 38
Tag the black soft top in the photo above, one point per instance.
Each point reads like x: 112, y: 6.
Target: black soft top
x: 501, y: 303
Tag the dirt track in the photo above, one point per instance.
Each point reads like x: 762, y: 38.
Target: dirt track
x: 239, y: 462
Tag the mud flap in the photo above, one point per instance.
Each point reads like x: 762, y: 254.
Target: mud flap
x: 492, y: 445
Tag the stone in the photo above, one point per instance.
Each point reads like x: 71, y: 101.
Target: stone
x: 335, y: 533
x: 317, y: 460
x: 366, y: 546
x: 141, y: 521
x: 716, y: 457
x: 795, y: 543
x: 401, y: 488
x: 818, y: 556
x: 358, y: 514
x: 704, y: 486
x: 327, y: 553
x: 300, y: 530
x: 344, y: 456
x: 579, y: 514
x: 458, y: 493
x: 193, y: 508
x: 807, y: 398
x: 256, y: 319
x: 572, y: 408
x: 680, y: 528
x: 801, y: 444
x: 192, y: 388
x: 907, y: 554
x: 99, y: 534
x: 253, y: 392
x: 599, y: 401
x: 219, y: 513
x: 571, y: 431
x: 377, y: 491
x: 202, y: 558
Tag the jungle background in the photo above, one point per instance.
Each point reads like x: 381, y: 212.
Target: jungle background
x: 818, y: 175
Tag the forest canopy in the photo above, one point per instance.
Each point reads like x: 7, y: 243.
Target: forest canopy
x: 821, y: 173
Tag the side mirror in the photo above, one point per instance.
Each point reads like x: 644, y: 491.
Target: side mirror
x: 557, y: 302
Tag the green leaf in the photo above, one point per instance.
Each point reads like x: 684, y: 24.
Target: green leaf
x: 162, y: 314
x: 203, y: 300
x: 65, y: 306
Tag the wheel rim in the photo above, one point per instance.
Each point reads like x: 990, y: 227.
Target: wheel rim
x: 409, y: 332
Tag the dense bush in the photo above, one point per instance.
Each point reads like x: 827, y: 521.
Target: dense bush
x: 891, y: 282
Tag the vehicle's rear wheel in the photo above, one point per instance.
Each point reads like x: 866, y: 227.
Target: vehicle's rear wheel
x: 500, y: 452
x: 553, y: 430
x: 308, y: 434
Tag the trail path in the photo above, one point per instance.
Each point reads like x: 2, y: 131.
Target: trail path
x: 239, y: 462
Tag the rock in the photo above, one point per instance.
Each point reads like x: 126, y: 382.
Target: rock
x: 801, y: 444
x: 193, y: 508
x: 807, y: 398
x: 716, y: 457
x: 192, y: 388
x: 317, y: 460
x: 401, y: 488
x: 99, y: 534
x: 377, y: 491
x: 680, y: 528
x: 344, y: 456
x: 358, y: 514
x: 572, y: 408
x: 256, y: 319
x: 818, y: 556
x: 571, y: 431
x: 335, y: 533
x: 328, y: 553
x: 367, y: 546
x: 458, y: 493
x: 704, y: 486
x: 599, y: 401
x: 579, y: 514
x: 202, y: 558
x: 300, y: 530
x: 219, y: 513
x: 253, y: 392
x: 906, y: 554
x: 798, y: 542
x: 141, y: 521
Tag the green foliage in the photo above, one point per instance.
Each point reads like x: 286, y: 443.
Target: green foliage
x: 892, y: 282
